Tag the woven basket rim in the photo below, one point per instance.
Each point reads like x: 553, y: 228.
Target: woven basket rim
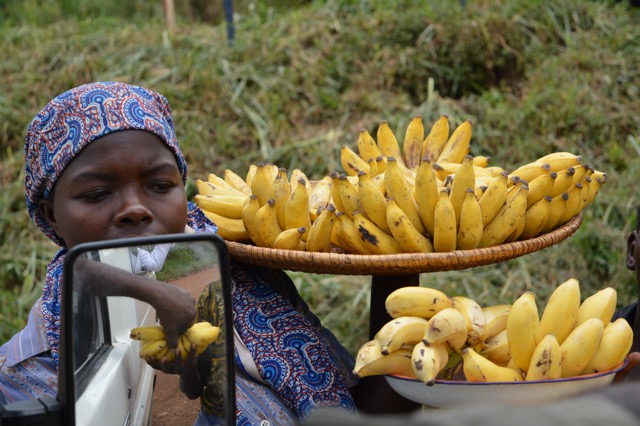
x: 396, y: 264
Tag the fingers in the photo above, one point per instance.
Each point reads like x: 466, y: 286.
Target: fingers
x: 634, y: 360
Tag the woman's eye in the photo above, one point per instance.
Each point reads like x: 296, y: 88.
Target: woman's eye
x: 161, y: 186
x: 95, y: 195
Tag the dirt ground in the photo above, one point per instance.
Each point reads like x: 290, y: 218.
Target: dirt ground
x: 170, y: 406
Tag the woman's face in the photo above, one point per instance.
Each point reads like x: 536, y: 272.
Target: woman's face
x: 124, y: 184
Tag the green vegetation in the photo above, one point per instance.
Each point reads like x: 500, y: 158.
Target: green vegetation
x: 535, y: 76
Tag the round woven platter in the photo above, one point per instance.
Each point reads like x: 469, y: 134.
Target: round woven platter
x: 396, y: 264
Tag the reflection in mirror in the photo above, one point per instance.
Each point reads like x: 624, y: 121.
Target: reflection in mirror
x: 116, y: 287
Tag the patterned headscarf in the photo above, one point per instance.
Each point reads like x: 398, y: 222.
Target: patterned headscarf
x: 56, y: 136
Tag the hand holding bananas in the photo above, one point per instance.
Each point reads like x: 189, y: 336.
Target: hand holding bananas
x: 428, y: 195
x: 433, y: 335
x: 153, y: 341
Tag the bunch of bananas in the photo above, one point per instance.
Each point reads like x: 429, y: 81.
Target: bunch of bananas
x: 432, y: 335
x: 431, y: 195
x: 153, y: 342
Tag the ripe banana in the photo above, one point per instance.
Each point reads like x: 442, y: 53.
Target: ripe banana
x: 233, y: 179
x: 495, y: 319
x: 557, y: 208
x: 616, y: 341
x: 546, y: 360
x: 523, y: 330
x: 370, y: 361
x: 371, y: 202
x: 463, y: 179
x: 409, y: 238
x: 540, y: 187
x: 297, y: 176
x: 251, y: 172
x: 388, y: 143
x: 267, y: 223
x: 297, y: 208
x: 601, y: 304
x: 280, y: 192
x: 496, y: 348
x: 346, y: 236
x: 147, y: 332
x: 406, y: 330
x: 574, y: 204
x: 381, y: 165
x: 412, y: 146
x: 559, y: 314
x: 530, y: 171
x: 436, y: 140
x: 535, y: 218
x: 349, y: 197
x: 417, y: 301
x: 580, y: 346
x: 320, y: 195
x: 479, y: 369
x: 319, y: 238
x: 493, y: 198
x: 151, y: 348
x: 203, y: 335
x: 428, y: 361
x: 426, y: 194
x: 561, y: 160
x: 367, y: 147
x: 401, y: 191
x: 229, y: 229
x: 470, y: 228
x: 351, y: 162
x: 262, y: 183
x: 249, y: 210
x: 375, y: 239
x: 448, y: 325
x: 506, y: 221
x: 289, y: 239
x: 444, y: 222
x: 563, y: 181
x: 581, y: 171
x: 473, y: 315
x: 457, y: 146
x: 220, y: 182
x: 208, y: 188
x: 224, y: 205
x: 335, y: 191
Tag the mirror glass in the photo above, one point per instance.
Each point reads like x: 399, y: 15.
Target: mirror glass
x: 106, y: 290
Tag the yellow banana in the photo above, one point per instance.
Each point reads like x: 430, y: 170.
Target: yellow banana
x: 297, y: 209
x: 399, y: 332
x: 416, y: 301
x: 388, y: 143
x: 280, y: 192
x: 535, y: 218
x: 371, y: 202
x: 473, y: 315
x: 401, y: 191
x: 370, y: 361
x: 495, y: 319
x: 616, y: 341
x: 320, y: 195
x: 409, y: 238
x: 457, y: 146
x: 229, y: 229
x: 540, y: 187
x: 233, y: 179
x: 426, y: 195
x: 375, y: 239
x: 506, y: 221
x: 202, y: 335
x: 448, y: 325
x: 346, y: 236
x: 319, y: 238
x: 151, y: 348
x: 495, y: 170
x: 251, y: 172
x: 559, y: 314
x: 546, y: 360
x: 224, y: 205
x: 594, y: 185
x: 381, y: 165
x: 428, y: 361
x: 267, y: 222
x: 184, y: 345
x: 482, y: 161
x: 296, y: 176
x: 470, y: 228
x: 574, y: 204
x: 601, y: 304
x: 367, y: 147
x: 147, y: 332
x: 218, y: 181
x: 463, y: 179
x: 557, y: 208
x: 436, y: 139
x: 479, y: 369
x: 289, y: 239
x: 335, y: 191
x: 493, y: 198
x: 561, y: 160
x: 444, y: 224
x: 580, y: 346
x: 523, y: 330
x: 351, y: 162
x: 530, y: 171
x: 349, y: 197
x: 563, y: 181
x: 208, y: 188
x: 581, y: 171
x: 412, y: 146
x: 373, y: 167
x: 249, y: 210
x: 496, y: 348
x: 262, y: 183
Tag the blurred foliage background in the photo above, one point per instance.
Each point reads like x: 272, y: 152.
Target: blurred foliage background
x: 300, y: 80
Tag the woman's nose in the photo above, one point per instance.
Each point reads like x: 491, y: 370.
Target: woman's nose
x: 133, y: 209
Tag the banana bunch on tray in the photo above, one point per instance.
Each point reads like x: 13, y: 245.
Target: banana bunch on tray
x: 433, y: 336
x: 428, y: 196
x: 153, y: 342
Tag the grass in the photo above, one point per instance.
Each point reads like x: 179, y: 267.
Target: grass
x: 301, y: 81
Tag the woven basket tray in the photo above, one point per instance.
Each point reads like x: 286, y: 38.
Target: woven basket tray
x: 396, y: 264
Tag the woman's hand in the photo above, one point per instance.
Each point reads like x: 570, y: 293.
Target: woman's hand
x: 178, y: 365
x: 634, y: 360
x: 176, y: 310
